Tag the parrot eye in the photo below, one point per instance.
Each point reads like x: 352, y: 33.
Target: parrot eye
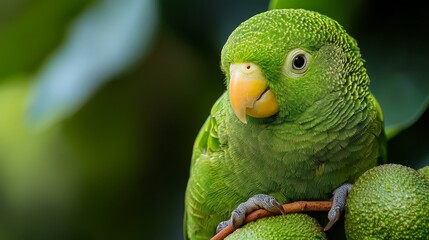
x: 297, y: 62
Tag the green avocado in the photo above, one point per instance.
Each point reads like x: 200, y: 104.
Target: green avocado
x: 424, y: 171
x: 390, y: 201
x: 290, y: 226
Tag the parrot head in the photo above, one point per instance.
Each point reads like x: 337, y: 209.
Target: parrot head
x: 281, y: 63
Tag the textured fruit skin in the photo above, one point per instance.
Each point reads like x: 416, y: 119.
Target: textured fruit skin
x: 424, y: 171
x: 290, y: 226
x: 390, y: 201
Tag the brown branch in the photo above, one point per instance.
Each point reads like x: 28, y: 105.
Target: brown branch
x: 294, y: 207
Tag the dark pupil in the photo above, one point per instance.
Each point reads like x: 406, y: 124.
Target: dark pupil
x: 299, y: 62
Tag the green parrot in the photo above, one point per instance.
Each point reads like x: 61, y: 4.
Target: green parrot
x: 297, y: 122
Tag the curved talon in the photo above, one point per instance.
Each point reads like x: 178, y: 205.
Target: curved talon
x: 333, y: 218
x: 279, y: 207
x: 258, y: 201
x: 238, y: 216
x: 338, y: 204
x: 222, y: 225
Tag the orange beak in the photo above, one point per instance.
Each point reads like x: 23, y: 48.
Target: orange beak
x: 249, y: 92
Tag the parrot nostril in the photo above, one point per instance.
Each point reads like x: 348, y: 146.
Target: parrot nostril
x: 248, y: 67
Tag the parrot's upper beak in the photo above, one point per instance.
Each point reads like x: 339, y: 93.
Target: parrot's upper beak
x: 249, y: 92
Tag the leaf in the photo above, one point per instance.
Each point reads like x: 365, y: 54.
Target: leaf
x: 408, y: 121
x: 30, y: 30
x: 105, y: 40
x: 401, y: 88
x: 36, y: 169
x: 409, y: 147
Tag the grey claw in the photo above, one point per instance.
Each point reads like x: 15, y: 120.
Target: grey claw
x: 222, y: 225
x: 338, y: 204
x: 256, y: 202
x: 238, y: 215
x: 266, y: 202
x: 333, y: 218
x: 279, y: 207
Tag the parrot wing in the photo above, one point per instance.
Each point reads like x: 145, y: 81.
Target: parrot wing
x: 207, y: 140
x: 206, y: 143
x: 382, y: 138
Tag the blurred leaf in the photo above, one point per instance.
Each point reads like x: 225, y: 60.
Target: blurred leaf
x: 394, y: 45
x: 401, y: 88
x: 106, y: 138
x: 410, y: 147
x: 395, y: 49
x: 102, y: 42
x: 29, y: 30
x: 22, y: 151
x: 36, y: 174
x: 408, y: 121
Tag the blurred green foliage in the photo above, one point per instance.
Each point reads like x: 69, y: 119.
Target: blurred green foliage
x: 104, y: 40
x: 30, y: 30
x: 100, y: 102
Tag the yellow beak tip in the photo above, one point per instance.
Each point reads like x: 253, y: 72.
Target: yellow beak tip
x: 249, y: 94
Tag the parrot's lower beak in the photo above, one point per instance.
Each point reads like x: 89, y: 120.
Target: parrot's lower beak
x: 249, y: 92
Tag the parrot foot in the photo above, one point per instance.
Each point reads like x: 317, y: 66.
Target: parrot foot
x: 222, y: 225
x: 338, y: 204
x: 258, y: 201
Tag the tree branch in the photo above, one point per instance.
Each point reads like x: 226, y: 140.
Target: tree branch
x: 294, y: 207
